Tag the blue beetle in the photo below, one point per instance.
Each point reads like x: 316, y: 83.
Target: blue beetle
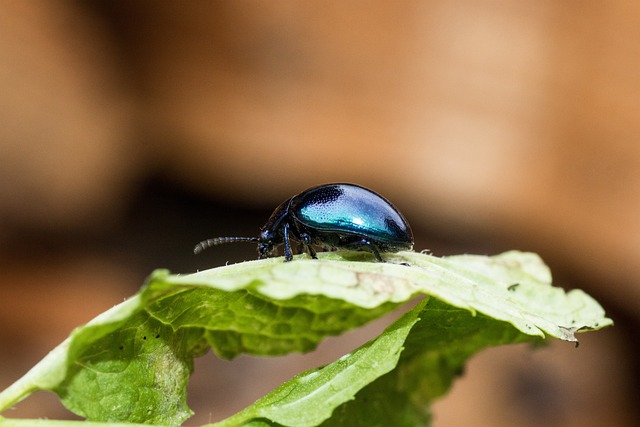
x: 331, y: 216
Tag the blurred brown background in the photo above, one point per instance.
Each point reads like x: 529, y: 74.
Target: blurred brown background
x: 131, y: 130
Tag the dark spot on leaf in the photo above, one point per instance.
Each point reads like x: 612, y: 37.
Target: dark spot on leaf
x: 513, y: 287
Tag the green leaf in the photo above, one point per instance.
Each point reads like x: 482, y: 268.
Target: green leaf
x: 242, y: 319
x: 137, y: 373
x: 132, y: 363
x: 403, y: 370
x: 310, y: 398
x: 436, y: 351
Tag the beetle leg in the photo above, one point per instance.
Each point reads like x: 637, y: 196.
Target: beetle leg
x: 372, y: 247
x: 304, y: 237
x: 375, y: 251
x: 287, y: 244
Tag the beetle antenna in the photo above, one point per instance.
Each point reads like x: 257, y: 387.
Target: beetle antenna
x: 220, y: 240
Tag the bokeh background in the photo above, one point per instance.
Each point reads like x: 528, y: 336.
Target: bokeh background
x: 129, y: 131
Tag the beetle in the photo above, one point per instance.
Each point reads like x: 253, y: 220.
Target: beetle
x: 331, y: 216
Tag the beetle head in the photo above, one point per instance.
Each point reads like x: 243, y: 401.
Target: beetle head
x: 267, y: 241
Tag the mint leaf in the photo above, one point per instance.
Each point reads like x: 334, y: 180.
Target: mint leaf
x: 244, y: 320
x: 310, y: 398
x: 390, y: 381
x: 132, y: 363
x: 137, y: 373
x: 436, y: 351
